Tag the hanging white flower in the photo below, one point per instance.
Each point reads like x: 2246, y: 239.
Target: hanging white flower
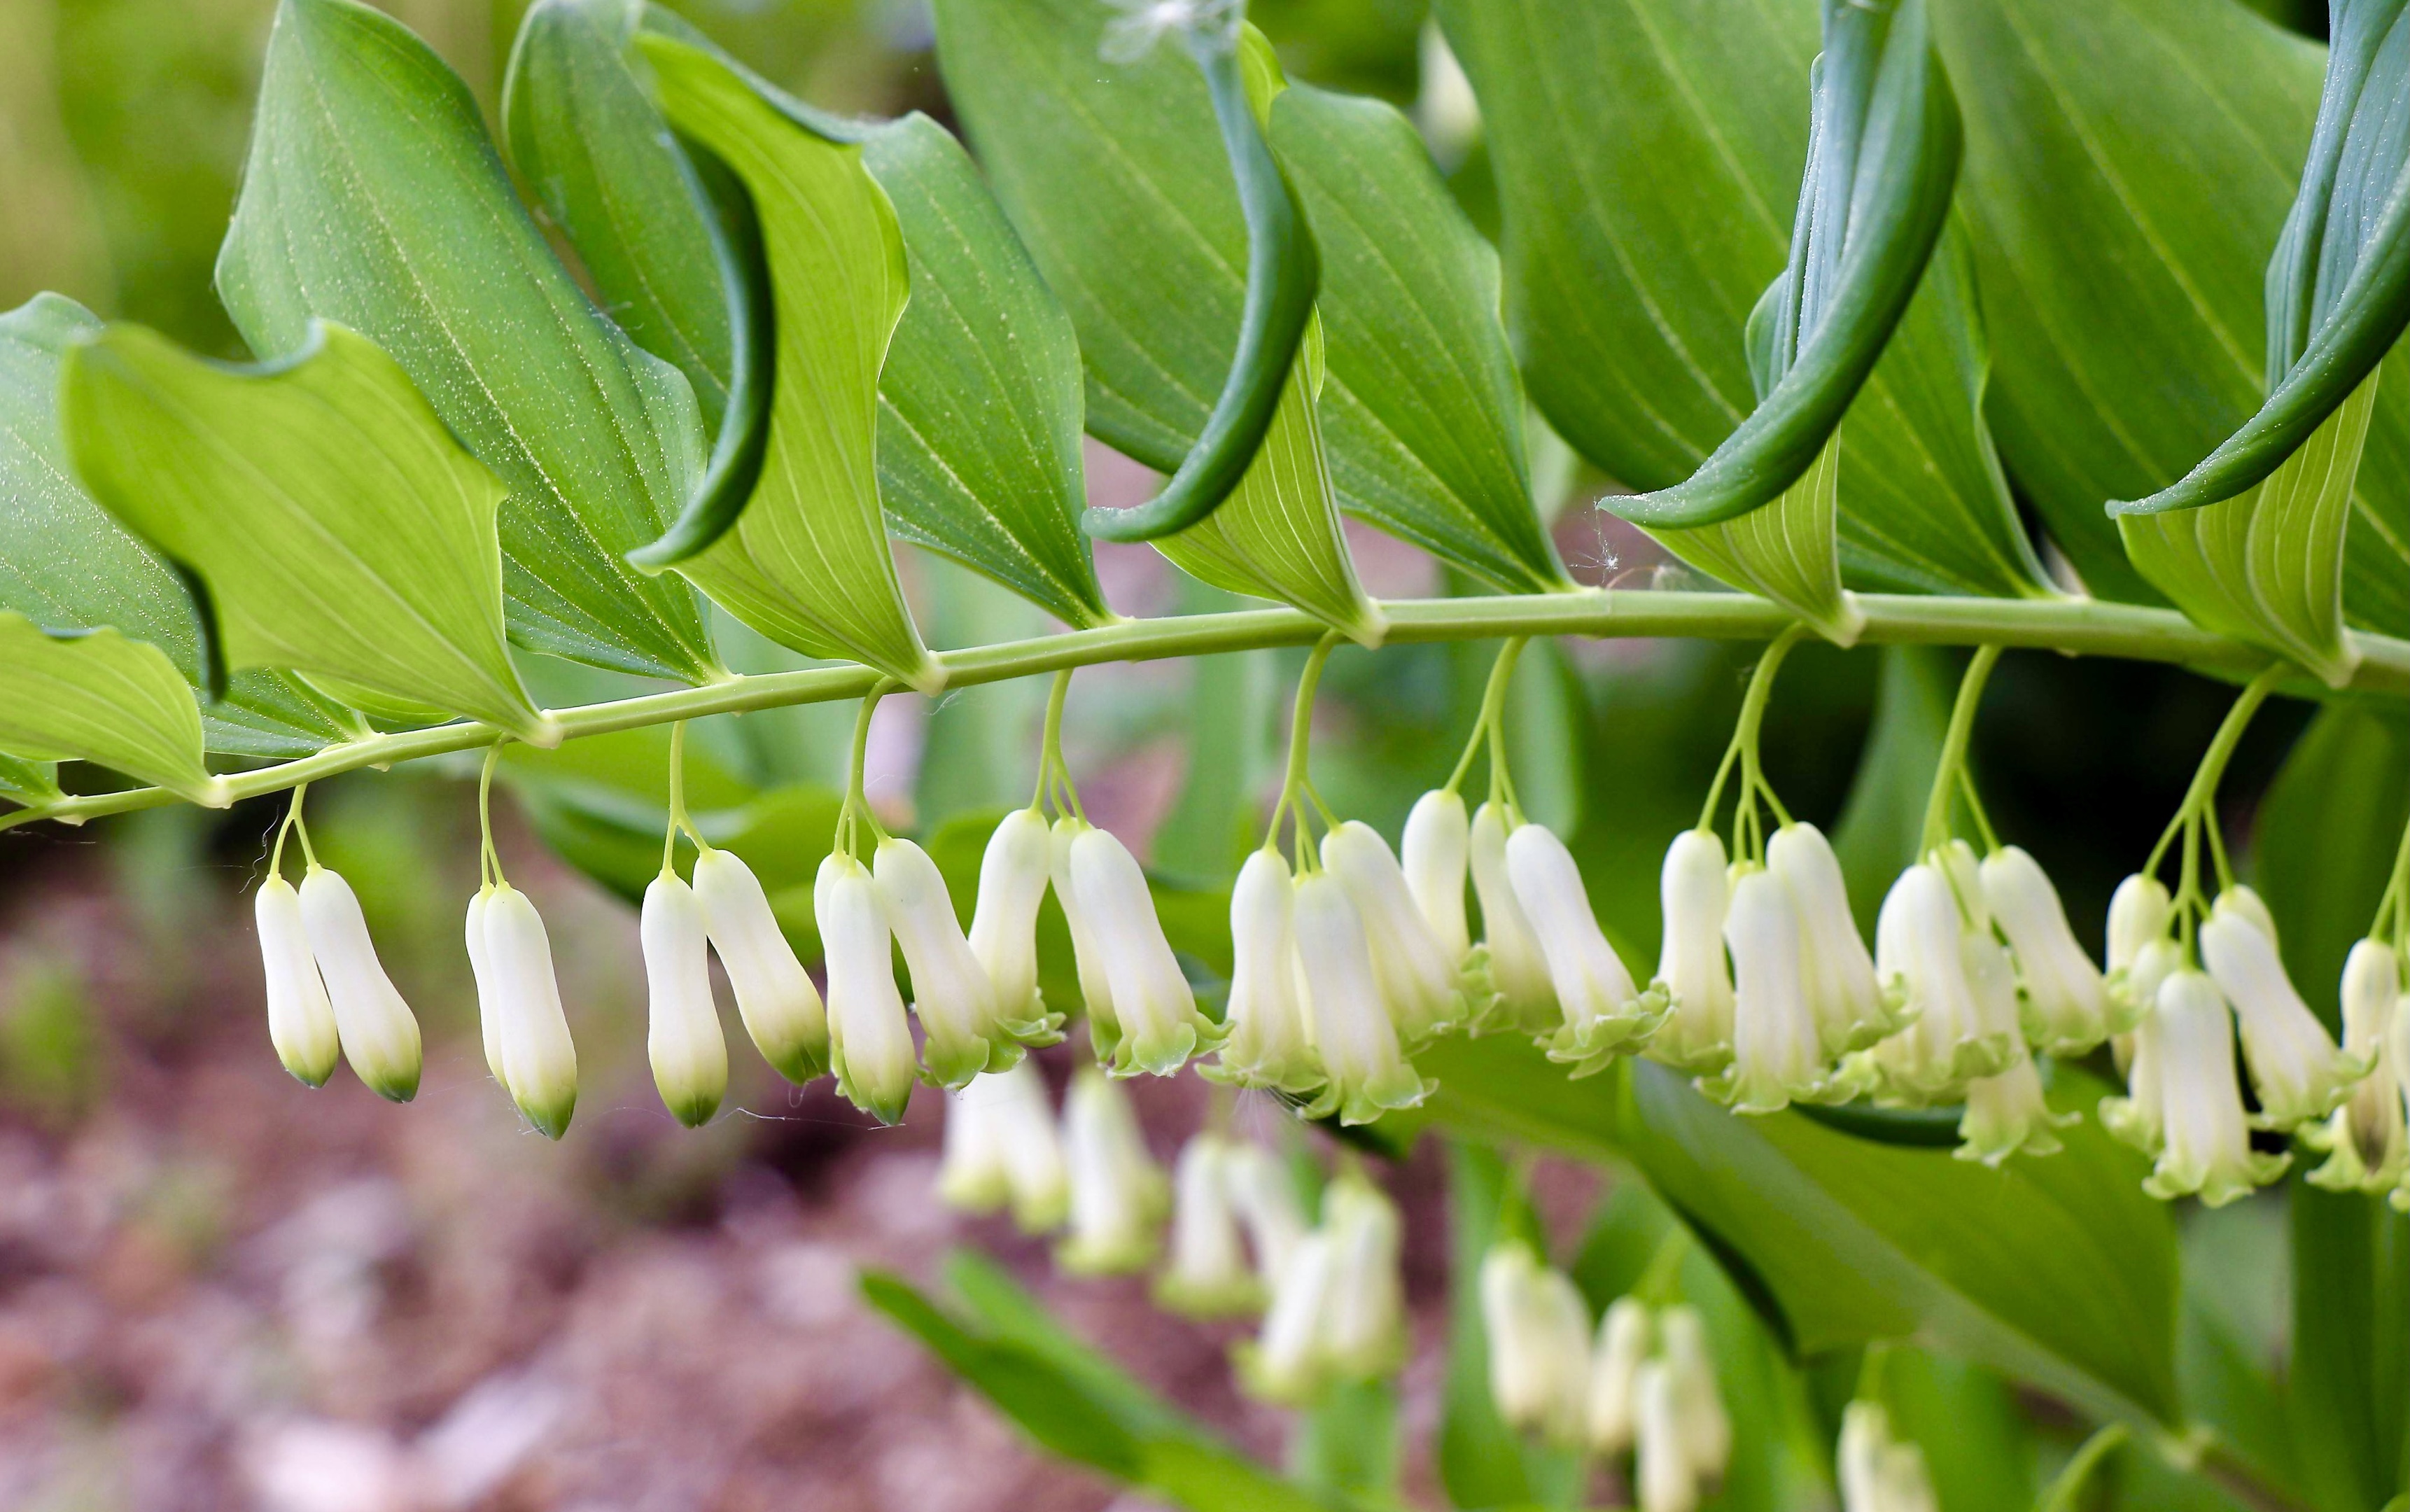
x: 1662, y: 1477
x: 870, y: 1044
x: 1696, y: 893
x: 781, y: 1007
x: 1625, y: 1338
x: 2064, y: 1008
x: 2006, y: 1113
x: 1264, y: 1195
x: 2205, y: 1148
x: 378, y: 1034
x: 1851, y: 1010
x: 1087, y: 952
x: 1207, y: 1274
x: 537, y: 1053
x: 1921, y: 951
x: 1698, y: 1405
x: 2140, y: 913
x: 1538, y: 1332
x: 1605, y: 1013
x: 1876, y: 1473
x: 2366, y: 1134
x: 1364, y: 1326
x: 1004, y: 924
x: 481, y: 969
x: 1284, y: 1364
x: 1268, y: 1045
x: 2239, y: 899
x: 682, y: 1037
x: 1434, y: 851
x: 960, y: 1034
x: 1417, y: 977
x: 1119, y: 1196
x: 1352, y: 1033
x: 300, y: 1021
x: 2297, y: 1071
x: 1152, y: 1004
x: 1001, y: 1147
x: 1520, y: 996
x: 1778, y: 1049
x: 2136, y: 1117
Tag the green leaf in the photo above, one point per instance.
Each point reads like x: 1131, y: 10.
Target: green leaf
x: 2349, y: 1382
x: 97, y: 696
x: 1115, y: 177
x: 2325, y: 841
x: 2057, y: 1270
x: 66, y: 566
x: 2266, y: 565
x: 807, y: 563
x: 340, y: 530
x: 1347, y: 1442
x: 375, y: 197
x: 1785, y: 552
x: 29, y: 783
x: 2064, y: 1495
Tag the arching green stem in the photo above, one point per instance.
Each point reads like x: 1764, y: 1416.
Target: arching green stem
x: 1493, y: 708
x: 679, y: 818
x: 856, y: 816
x: 1748, y: 829
x: 2196, y: 815
x: 490, y: 861
x: 1295, y: 784
x: 2394, y: 907
x: 1946, y: 774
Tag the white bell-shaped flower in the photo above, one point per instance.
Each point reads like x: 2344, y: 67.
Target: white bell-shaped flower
x: 2205, y: 1148
x: 1418, y: 977
x: 378, y: 1034
x: 1539, y: 1343
x: 537, y: 1053
x: 2006, y: 1111
x: 1012, y: 880
x: 1876, y: 1473
x: 1154, y: 1007
x: 960, y: 1032
x: 2365, y: 1136
x: 1434, y: 851
x: 1920, y: 951
x: 682, y: 1037
x: 1268, y: 1044
x: 1699, y: 1407
x: 1625, y: 1338
x: 1364, y: 1328
x: 1119, y: 1196
x: 2239, y: 899
x: 1352, y: 1033
x: 1207, y: 1274
x: 481, y: 969
x: 1662, y: 1477
x: 1851, y: 1010
x: 1001, y: 1147
x: 1520, y: 996
x: 2065, y: 1008
x: 1696, y: 893
x: 1264, y: 1195
x: 1778, y: 1047
x: 1087, y: 950
x: 781, y: 1007
x: 1959, y: 868
x: 1286, y: 1364
x: 1605, y: 1013
x: 300, y: 1021
x: 2297, y: 1069
x: 2136, y: 1117
x: 870, y: 1044
x: 2140, y: 911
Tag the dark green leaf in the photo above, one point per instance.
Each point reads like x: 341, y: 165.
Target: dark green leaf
x: 2326, y: 835
x: 1787, y: 550
x: 375, y: 197
x: 2349, y: 1382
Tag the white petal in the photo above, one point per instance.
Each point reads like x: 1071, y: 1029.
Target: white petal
x: 1691, y: 1370
x: 1592, y: 985
x: 1419, y: 980
x: 1208, y: 1275
x: 1153, y: 1003
x: 2207, y: 1146
x: 379, y: 1035
x: 1518, y: 973
x: 1352, y: 1028
x: 1004, y: 925
x: 1663, y: 1480
x: 1435, y: 851
x: 1264, y: 1194
x: 300, y: 1021
x: 1842, y: 989
x: 774, y: 997
x: 1087, y: 950
x: 1364, y: 1328
x: 489, y: 1006
x: 536, y: 1048
x: 870, y: 1046
x: 1694, y: 893
x: 1268, y: 1045
x: 1624, y: 1341
x: 2139, y: 913
x: 1118, y: 1193
x: 682, y: 1038
x: 1778, y: 1050
x: 950, y: 990
x: 2296, y: 1069
x: 2065, y: 1006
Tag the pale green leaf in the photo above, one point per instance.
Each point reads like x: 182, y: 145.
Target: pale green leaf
x: 2266, y: 566
x: 100, y: 697
x: 28, y: 782
x: 340, y: 530
x: 1784, y: 551
x: 375, y: 197
x: 807, y: 563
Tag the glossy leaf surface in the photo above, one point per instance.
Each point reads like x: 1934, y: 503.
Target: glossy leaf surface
x: 1785, y: 552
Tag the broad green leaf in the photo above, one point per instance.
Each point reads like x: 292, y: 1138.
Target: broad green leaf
x: 2326, y: 838
x: 1115, y: 177
x: 807, y: 563
x: 1977, y: 1448
x: 373, y: 197
x: 2057, y: 1271
x: 2238, y: 1287
x: 1784, y: 551
x: 1348, y: 1442
x: 1645, y: 224
x: 2348, y: 1381
x: 29, y: 783
x: 1481, y: 1462
x: 66, y: 566
x: 1278, y: 535
x: 2266, y: 565
x: 339, y: 527
x: 97, y: 696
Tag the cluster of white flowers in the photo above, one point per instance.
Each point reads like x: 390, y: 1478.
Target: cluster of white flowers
x: 326, y: 990
x: 1644, y: 1384
x: 1338, y: 1307
x: 1876, y: 1471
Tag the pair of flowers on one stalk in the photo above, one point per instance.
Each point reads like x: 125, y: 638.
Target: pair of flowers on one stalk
x: 1645, y: 1383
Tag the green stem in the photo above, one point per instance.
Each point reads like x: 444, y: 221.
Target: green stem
x: 1493, y: 703
x: 490, y: 861
x: 2198, y: 812
x: 2395, y: 905
x: 1295, y: 784
x: 856, y: 815
x: 301, y: 827
x: 1954, y: 748
x: 2089, y: 627
x: 1746, y: 827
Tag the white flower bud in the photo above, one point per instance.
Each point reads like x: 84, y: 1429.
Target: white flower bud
x: 870, y: 1044
x: 1434, y: 850
x: 1605, y: 1014
x: 1522, y: 997
x: 2239, y: 899
x: 1353, y: 1032
x: 481, y: 969
x: 1624, y: 1339
x: 1690, y: 1369
x: 972, y: 1176
x: 950, y: 990
x: 682, y: 1039
x: 1851, y: 1011
x: 2136, y: 1117
x: 1364, y: 1328
x: 1539, y: 1343
x: 300, y: 1021
x: 1001, y: 1146
x: 379, y: 1035
x: 2139, y: 913
x: 1152, y: 1004
x: 2007, y: 1115
x: 1118, y: 1193
x: 1268, y: 1045
x: 1876, y: 1473
x: 2366, y: 1134
x: 1004, y: 925
x: 1264, y: 1195
x: 2296, y: 1069
x: 1284, y: 1365
x: 1921, y: 951
x: 1419, y: 980
x: 775, y: 996
x: 2065, y: 1004
x: 1087, y: 952
x: 1662, y: 1477
x: 1778, y: 1051
x: 1695, y: 894
x: 2206, y: 1146
x: 537, y: 1053
x: 1207, y: 1274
